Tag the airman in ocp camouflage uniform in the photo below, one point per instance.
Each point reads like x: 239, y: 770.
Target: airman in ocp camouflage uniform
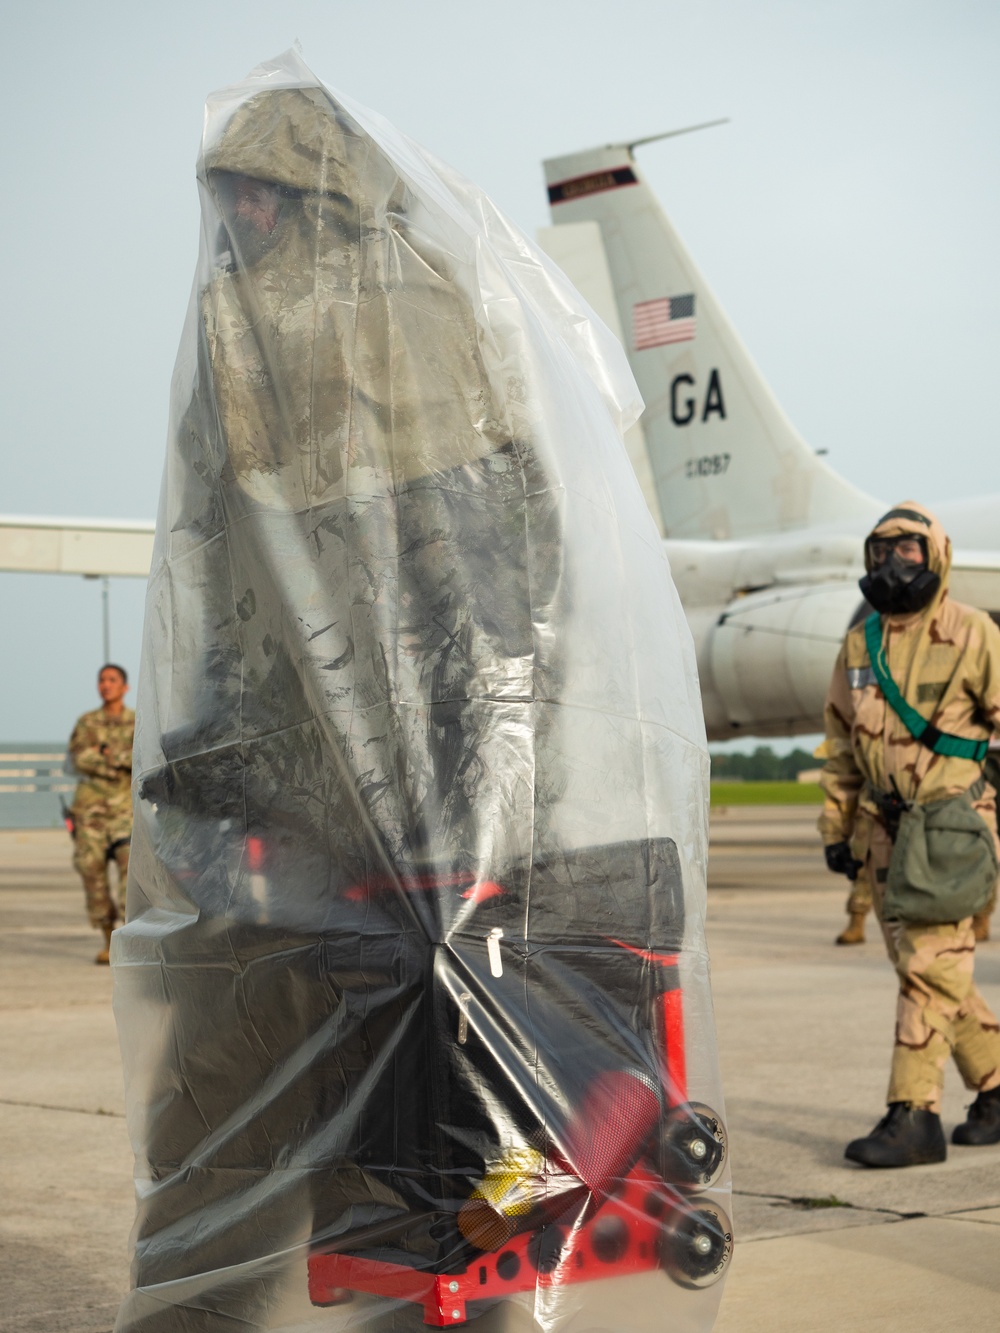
x: 945, y: 660
x: 101, y: 750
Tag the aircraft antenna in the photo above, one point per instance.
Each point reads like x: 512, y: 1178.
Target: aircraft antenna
x: 671, y: 134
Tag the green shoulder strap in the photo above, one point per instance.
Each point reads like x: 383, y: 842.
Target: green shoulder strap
x: 941, y: 742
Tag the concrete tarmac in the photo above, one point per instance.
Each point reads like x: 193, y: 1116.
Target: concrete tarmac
x: 805, y: 1035
x: 805, y: 1032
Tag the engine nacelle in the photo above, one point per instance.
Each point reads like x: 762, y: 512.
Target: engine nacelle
x: 769, y: 657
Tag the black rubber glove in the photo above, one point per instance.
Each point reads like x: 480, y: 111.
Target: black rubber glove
x: 840, y: 860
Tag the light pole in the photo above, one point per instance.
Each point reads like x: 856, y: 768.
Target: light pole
x: 105, y: 613
x: 106, y: 617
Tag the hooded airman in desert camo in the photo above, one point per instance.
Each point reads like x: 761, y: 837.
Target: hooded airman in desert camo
x: 914, y: 698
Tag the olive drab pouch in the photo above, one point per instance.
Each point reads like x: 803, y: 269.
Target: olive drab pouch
x: 944, y: 863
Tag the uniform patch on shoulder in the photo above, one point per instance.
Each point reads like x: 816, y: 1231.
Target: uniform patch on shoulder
x: 929, y: 690
x: 859, y: 677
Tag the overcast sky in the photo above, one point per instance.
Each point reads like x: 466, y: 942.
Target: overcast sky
x: 847, y: 219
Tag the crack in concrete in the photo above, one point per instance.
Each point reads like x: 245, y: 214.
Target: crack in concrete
x: 962, y: 1215
x: 803, y: 1202
x: 76, y: 1110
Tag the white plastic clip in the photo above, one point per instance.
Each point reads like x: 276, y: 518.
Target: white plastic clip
x: 493, y: 949
x: 463, y: 1017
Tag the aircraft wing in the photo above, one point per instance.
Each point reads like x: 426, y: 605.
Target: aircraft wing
x: 92, y: 547
x: 975, y: 579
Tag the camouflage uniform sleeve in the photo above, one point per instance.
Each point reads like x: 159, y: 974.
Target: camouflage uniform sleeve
x: 120, y: 760
x: 841, y: 779
x: 85, y: 749
x: 119, y: 751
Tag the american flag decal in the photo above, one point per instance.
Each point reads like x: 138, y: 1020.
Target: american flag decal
x: 669, y: 319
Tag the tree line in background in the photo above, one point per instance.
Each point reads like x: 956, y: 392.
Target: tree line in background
x: 762, y: 766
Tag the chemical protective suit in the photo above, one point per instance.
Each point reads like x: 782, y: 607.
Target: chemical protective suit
x: 945, y: 659
x: 418, y: 869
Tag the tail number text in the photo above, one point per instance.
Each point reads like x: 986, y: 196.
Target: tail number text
x: 709, y: 465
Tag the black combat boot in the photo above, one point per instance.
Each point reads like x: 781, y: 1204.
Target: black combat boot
x: 905, y: 1136
x: 983, y: 1123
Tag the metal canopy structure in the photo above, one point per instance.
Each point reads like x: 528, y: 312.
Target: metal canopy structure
x: 94, y: 548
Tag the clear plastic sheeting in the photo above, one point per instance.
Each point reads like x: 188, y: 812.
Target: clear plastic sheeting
x: 413, y: 996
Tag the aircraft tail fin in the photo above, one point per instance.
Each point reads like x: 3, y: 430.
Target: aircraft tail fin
x: 725, y: 461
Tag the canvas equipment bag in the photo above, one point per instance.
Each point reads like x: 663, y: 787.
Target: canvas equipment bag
x: 944, y: 862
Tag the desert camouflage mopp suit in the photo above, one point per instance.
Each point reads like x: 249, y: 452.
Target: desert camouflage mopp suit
x: 101, y: 750
x: 945, y: 660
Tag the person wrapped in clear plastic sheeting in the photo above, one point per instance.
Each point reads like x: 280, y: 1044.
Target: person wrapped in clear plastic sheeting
x: 413, y: 997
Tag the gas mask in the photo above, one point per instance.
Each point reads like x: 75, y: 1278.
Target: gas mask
x: 255, y: 216
x: 899, y: 587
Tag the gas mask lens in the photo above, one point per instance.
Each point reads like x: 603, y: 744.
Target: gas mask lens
x: 910, y: 550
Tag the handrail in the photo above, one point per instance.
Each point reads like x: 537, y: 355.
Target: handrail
x: 46, y: 774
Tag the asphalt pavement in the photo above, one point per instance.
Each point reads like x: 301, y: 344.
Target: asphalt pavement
x: 805, y: 1032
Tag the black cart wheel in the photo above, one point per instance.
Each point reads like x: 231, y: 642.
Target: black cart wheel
x: 696, y: 1245
x: 693, y: 1146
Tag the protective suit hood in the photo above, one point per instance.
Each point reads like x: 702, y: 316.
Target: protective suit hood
x: 916, y: 520
x: 295, y: 137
